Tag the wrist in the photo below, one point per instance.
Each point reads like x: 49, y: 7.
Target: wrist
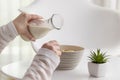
x: 16, y: 26
x: 50, y: 54
x: 12, y: 28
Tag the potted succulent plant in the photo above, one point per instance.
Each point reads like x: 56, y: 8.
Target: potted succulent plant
x: 97, y: 64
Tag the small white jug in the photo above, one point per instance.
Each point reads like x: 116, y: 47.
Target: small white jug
x: 39, y: 28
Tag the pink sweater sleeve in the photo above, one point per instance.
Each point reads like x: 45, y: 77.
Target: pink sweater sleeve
x: 7, y: 33
x: 43, y: 66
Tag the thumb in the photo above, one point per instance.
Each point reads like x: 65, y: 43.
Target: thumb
x: 29, y: 36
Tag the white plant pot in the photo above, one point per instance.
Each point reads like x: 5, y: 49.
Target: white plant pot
x: 97, y: 70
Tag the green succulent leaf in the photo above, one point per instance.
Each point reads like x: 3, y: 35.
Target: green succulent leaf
x: 98, y: 56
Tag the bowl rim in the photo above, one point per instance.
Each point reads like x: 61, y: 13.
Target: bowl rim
x: 81, y: 48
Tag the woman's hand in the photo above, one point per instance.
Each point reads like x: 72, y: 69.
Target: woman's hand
x: 21, y: 24
x: 54, y: 46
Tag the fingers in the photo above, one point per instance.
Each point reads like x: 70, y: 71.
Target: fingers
x: 36, y: 16
x: 53, y: 42
x: 54, y: 46
x: 21, y: 24
x: 37, y: 22
x: 30, y: 17
x: 29, y: 36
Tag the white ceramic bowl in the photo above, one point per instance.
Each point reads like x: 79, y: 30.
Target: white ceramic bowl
x: 71, y: 56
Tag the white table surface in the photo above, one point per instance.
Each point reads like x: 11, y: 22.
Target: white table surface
x: 79, y: 73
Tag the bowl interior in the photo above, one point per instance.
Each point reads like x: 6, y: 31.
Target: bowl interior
x: 70, y: 48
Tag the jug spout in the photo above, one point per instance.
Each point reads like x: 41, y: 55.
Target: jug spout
x: 56, y: 21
